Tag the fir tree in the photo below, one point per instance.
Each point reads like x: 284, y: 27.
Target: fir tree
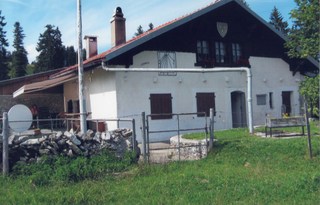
x: 139, y: 31
x: 245, y: 3
x: 150, y: 26
x: 70, y: 56
x: 277, y: 21
x: 51, y: 50
x: 19, y: 55
x: 3, y: 50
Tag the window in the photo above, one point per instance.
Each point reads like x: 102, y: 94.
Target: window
x: 203, y: 53
x: 236, y: 52
x: 205, y: 101
x: 220, y: 49
x: 161, y: 106
x: 271, y: 100
x: 167, y: 60
x: 261, y: 99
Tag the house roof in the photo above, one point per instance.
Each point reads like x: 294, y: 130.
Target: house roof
x: 149, y: 35
x: 42, y: 85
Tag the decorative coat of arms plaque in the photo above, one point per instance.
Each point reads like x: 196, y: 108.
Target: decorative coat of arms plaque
x: 222, y: 29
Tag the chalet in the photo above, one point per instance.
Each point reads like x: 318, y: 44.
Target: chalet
x: 224, y: 36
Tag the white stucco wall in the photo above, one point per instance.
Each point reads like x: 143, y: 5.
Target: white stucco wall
x: 126, y: 94
x: 134, y: 90
x: 273, y: 75
x: 149, y: 59
x: 101, y: 94
x: 71, y: 92
x: 137, y: 87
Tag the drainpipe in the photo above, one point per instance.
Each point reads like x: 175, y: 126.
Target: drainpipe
x: 199, y: 70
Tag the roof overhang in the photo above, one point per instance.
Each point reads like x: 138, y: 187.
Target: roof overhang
x: 42, y: 85
x: 183, y: 20
x: 118, y: 51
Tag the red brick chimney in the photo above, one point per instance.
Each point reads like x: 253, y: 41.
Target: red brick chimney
x: 118, y: 28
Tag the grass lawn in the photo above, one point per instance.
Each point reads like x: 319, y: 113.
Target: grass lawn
x: 242, y: 169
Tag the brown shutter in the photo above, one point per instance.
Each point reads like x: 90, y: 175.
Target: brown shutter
x: 161, y: 104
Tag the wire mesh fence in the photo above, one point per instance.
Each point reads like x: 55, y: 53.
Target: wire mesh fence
x: 177, y: 148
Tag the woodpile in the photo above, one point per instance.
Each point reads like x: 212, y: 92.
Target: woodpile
x: 30, y: 148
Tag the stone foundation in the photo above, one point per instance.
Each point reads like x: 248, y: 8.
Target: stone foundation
x: 189, y: 149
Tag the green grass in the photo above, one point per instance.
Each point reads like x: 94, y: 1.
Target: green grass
x: 242, y: 169
x: 314, y: 130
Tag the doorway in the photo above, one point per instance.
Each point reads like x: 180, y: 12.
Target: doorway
x: 286, y: 107
x: 238, y: 109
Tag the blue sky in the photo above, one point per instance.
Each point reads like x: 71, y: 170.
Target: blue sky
x: 34, y: 15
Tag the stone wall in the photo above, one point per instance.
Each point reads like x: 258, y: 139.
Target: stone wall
x: 189, y: 149
x: 29, y: 148
x: 54, y: 102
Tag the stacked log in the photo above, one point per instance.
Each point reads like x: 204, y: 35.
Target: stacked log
x: 27, y: 149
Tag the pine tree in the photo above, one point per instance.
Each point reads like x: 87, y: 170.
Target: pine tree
x: 3, y: 50
x: 139, y: 31
x: 84, y: 54
x: 70, y: 56
x: 19, y: 55
x: 51, y: 50
x: 277, y: 21
x: 150, y: 26
x: 304, y: 37
x: 245, y: 3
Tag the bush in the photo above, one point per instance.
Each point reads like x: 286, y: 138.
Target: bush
x: 66, y: 169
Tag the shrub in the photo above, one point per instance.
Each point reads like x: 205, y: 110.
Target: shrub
x: 67, y: 169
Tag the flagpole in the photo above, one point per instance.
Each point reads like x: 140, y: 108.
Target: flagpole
x: 82, y: 102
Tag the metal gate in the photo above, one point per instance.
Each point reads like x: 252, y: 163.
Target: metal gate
x: 176, y: 148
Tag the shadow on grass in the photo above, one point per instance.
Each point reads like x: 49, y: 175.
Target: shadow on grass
x: 219, y: 146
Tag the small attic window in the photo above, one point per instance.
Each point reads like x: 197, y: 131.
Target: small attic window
x: 167, y: 59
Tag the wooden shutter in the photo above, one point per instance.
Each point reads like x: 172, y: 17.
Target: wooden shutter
x: 161, y: 104
x: 205, y: 101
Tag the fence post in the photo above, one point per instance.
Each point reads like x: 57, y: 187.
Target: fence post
x: 143, y: 130
x: 211, y: 128
x: 38, y: 122
x: 133, y: 135
x: 51, y: 121
x: 179, y: 151
x: 5, y: 154
x: 308, y: 127
x: 67, y: 122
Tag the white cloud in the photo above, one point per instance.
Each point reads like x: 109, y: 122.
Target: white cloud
x: 32, y: 52
x: 16, y: 2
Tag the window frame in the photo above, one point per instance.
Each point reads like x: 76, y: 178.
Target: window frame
x: 261, y: 99
x: 203, y: 48
x: 220, y: 49
x: 236, y: 52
